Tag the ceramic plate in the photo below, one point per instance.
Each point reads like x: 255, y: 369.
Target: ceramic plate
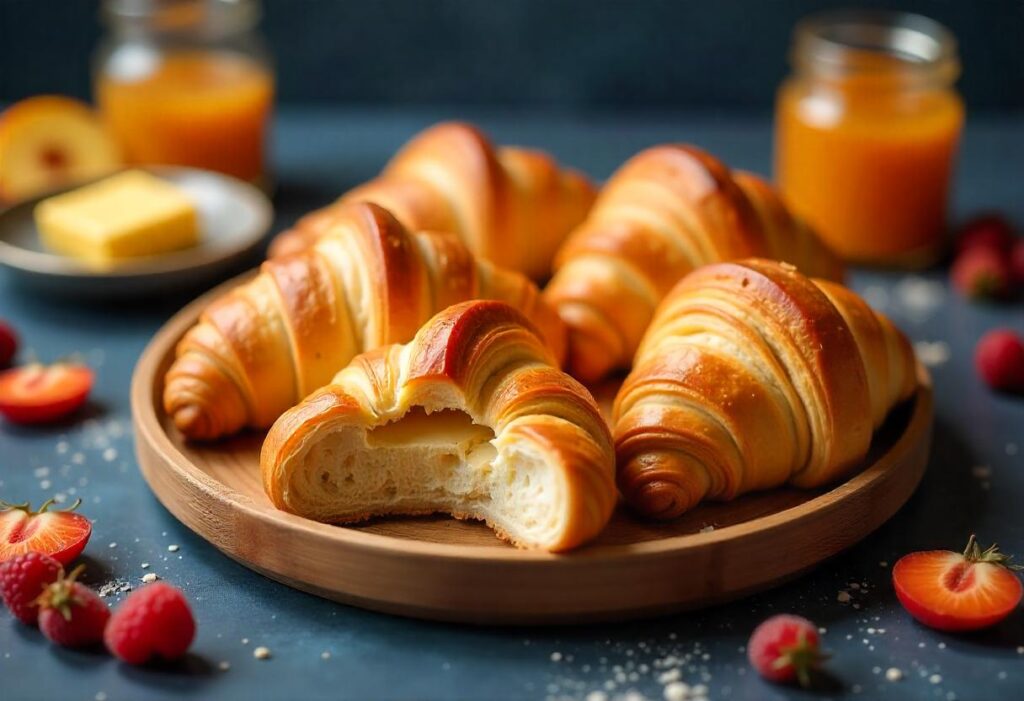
x: 233, y: 218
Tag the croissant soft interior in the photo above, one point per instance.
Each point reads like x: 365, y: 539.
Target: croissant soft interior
x: 472, y: 418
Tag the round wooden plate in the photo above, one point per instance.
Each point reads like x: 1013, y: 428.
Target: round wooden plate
x: 440, y: 568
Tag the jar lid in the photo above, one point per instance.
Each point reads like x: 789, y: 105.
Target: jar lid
x: 183, y: 15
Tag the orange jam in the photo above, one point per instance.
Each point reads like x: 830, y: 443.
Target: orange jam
x: 206, y: 109
x: 866, y: 136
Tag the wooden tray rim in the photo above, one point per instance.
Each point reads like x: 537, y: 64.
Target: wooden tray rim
x: 146, y: 380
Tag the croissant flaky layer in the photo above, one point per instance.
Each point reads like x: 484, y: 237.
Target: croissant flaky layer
x: 750, y: 376
x: 666, y: 211
x: 471, y: 418
x: 364, y: 283
x: 511, y: 206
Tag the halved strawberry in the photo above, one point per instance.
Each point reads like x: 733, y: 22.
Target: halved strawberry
x: 40, y: 393
x: 953, y: 591
x: 60, y: 534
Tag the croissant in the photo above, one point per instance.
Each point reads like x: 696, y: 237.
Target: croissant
x: 751, y: 376
x: 471, y: 418
x: 510, y: 206
x: 668, y: 210
x: 366, y: 282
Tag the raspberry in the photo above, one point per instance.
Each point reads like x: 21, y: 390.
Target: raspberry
x: 22, y: 580
x: 982, y: 273
x: 152, y: 622
x: 784, y: 648
x: 71, y: 614
x: 999, y: 358
x: 985, y: 231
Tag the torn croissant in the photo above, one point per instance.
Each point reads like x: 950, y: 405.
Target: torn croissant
x: 472, y: 418
x: 750, y: 376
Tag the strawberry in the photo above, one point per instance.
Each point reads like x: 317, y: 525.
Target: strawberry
x: 985, y: 231
x: 60, y: 534
x: 22, y: 580
x: 33, y: 394
x: 999, y: 358
x: 8, y: 344
x: 953, y: 591
x: 154, y: 621
x: 71, y: 614
x: 982, y: 273
x: 1017, y: 262
x: 784, y: 648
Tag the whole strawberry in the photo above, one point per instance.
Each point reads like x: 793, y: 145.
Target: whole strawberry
x: 154, y: 621
x: 986, y: 231
x: 999, y: 357
x: 22, y: 580
x: 1017, y: 262
x: 71, y: 614
x: 8, y: 344
x: 784, y: 648
x: 982, y: 273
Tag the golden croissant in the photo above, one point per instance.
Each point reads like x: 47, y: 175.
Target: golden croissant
x: 471, y: 418
x: 751, y: 376
x: 364, y: 283
x: 510, y: 206
x: 666, y: 211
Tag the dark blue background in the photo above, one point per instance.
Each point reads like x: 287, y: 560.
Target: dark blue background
x: 568, y: 54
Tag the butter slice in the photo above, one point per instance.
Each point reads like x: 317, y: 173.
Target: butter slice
x: 125, y: 216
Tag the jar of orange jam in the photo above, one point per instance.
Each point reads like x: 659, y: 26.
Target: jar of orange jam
x: 187, y: 82
x: 867, y: 129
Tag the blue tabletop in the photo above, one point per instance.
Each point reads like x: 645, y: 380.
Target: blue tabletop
x: 320, y: 649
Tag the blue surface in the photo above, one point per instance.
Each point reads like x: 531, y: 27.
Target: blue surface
x: 975, y: 482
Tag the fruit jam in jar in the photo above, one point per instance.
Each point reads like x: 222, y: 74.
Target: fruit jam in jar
x: 186, y: 82
x: 866, y: 133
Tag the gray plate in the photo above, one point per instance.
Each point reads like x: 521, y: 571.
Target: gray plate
x: 233, y: 217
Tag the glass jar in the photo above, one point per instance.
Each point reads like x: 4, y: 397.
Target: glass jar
x: 867, y: 129
x: 186, y: 82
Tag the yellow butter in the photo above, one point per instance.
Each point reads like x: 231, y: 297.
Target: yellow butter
x: 125, y: 216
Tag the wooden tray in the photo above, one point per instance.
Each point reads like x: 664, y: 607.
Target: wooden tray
x: 440, y: 568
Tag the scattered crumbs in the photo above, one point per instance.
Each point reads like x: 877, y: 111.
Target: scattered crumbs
x: 325, y: 655
x: 942, y: 646
x: 113, y: 545
x: 932, y: 353
x: 935, y: 679
x: 62, y: 447
x: 114, y: 587
x: 707, y: 529
x: 871, y: 631
x: 854, y: 585
x: 677, y: 691
x: 1001, y: 675
x: 919, y: 297
x: 843, y: 597
x: 245, y: 641
x: 446, y: 666
x: 856, y: 606
x: 894, y: 674
x: 1020, y: 649
x: 45, y: 484
x: 670, y: 676
x: 41, y: 472
x: 224, y: 666
x: 172, y: 548
x: 877, y: 296
x: 556, y: 656
x: 883, y: 563
x: 876, y: 670
x: 144, y: 565
x: 78, y: 458
x: 596, y: 696
x: 921, y: 644
x: 150, y: 577
x: 101, y: 696
x: 261, y: 653
x: 110, y: 454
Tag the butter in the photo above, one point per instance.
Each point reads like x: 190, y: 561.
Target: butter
x: 125, y: 216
